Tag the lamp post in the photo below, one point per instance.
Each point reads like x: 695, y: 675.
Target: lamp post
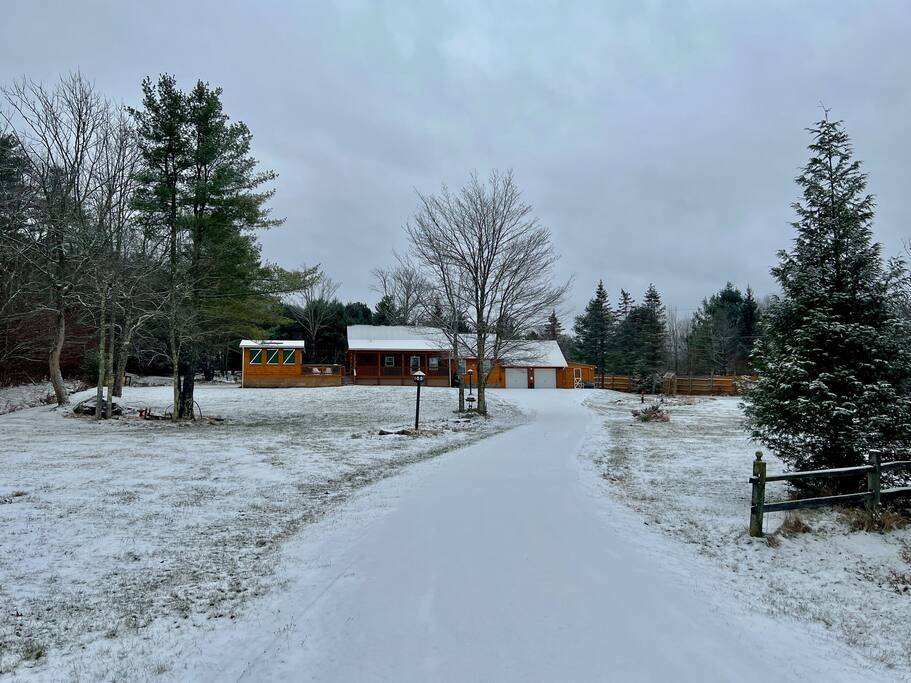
x: 470, y: 373
x: 418, y: 378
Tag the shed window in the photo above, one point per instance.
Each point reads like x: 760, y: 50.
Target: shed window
x: 434, y: 363
x: 415, y: 363
x: 389, y: 361
x: 288, y: 357
x: 256, y: 356
x: 271, y: 356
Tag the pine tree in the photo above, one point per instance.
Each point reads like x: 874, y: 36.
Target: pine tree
x: 833, y: 361
x: 653, y: 333
x: 593, y: 330
x: 200, y: 190
x: 554, y: 328
x: 386, y: 312
x: 625, y: 305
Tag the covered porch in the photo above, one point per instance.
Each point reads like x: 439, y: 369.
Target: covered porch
x: 396, y: 367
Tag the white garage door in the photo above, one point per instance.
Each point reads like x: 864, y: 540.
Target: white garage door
x: 545, y: 378
x: 516, y: 378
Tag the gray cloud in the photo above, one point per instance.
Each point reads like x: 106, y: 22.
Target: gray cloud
x: 658, y: 141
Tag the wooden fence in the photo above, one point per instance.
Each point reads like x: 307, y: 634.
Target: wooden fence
x: 711, y: 385
x: 871, y: 498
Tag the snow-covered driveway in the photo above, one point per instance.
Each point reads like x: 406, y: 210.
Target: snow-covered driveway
x: 497, y: 562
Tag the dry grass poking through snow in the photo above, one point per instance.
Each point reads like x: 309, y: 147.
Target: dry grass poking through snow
x: 109, y: 527
x: 688, y: 478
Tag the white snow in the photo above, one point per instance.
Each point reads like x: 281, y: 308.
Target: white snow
x: 22, y: 396
x: 114, y: 531
x: 272, y: 343
x: 206, y: 553
x: 687, y: 480
x: 395, y: 338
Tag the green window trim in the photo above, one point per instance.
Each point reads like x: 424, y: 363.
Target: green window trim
x: 288, y: 357
x: 256, y: 356
x: 271, y: 356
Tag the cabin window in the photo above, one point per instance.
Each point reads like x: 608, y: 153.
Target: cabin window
x: 486, y: 367
x: 256, y: 356
x: 271, y: 356
x: 434, y: 363
x: 415, y: 363
x: 463, y: 367
x: 288, y: 357
x: 389, y: 361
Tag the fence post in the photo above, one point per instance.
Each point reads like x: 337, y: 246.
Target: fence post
x: 758, y: 479
x: 873, y: 484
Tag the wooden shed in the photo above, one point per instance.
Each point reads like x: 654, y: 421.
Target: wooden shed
x: 279, y: 363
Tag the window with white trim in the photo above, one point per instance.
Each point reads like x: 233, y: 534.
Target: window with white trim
x: 288, y: 356
x: 415, y: 363
x: 256, y: 356
x: 434, y: 363
x: 271, y: 356
x: 389, y: 361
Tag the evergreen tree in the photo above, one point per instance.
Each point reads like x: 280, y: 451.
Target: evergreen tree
x: 624, y: 305
x: 200, y: 190
x: 833, y: 361
x: 653, y: 333
x: 723, y: 330
x: 554, y: 328
x: 593, y: 330
x: 386, y: 313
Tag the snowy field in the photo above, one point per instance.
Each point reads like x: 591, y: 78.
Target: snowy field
x: 687, y: 479
x: 111, y: 528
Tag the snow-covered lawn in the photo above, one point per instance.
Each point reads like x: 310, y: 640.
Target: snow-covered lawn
x: 29, y: 395
x: 688, y: 479
x: 108, y: 527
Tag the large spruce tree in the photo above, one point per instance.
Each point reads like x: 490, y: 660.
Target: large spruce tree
x: 833, y: 359
x: 593, y: 330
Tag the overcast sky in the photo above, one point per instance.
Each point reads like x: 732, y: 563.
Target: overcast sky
x: 658, y: 141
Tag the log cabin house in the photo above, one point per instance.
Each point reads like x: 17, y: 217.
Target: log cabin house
x: 388, y: 355
x: 280, y: 363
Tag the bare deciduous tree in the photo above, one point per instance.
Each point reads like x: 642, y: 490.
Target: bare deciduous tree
x: 60, y: 134
x: 312, y: 308
x: 404, y: 287
x: 488, y: 236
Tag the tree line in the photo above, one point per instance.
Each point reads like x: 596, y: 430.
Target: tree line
x: 137, y: 225
x: 645, y: 340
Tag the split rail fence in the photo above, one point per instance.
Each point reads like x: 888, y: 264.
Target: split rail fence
x: 871, y: 498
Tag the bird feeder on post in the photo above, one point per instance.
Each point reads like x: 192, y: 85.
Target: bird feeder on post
x: 470, y: 374
x: 418, y: 378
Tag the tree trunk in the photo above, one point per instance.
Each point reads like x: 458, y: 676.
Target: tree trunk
x: 123, y: 355
x: 175, y: 379
x: 481, y: 345
x: 54, y: 359
x: 461, y: 398
x: 109, y: 370
x: 186, y: 392
x: 100, y: 355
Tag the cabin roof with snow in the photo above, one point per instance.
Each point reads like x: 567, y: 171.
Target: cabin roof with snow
x: 395, y: 338
x: 527, y: 354
x: 272, y: 344
x: 540, y: 353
